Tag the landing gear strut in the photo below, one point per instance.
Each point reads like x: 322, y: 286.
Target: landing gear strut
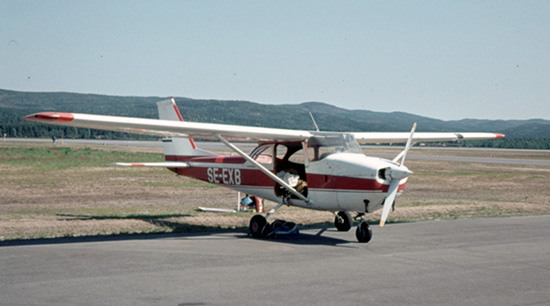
x: 343, y: 221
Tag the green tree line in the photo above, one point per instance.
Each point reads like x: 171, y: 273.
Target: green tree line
x: 527, y: 134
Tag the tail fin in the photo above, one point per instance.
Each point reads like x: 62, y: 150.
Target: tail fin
x: 177, y: 146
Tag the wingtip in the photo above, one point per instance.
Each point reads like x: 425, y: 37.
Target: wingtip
x: 49, y: 117
x: 499, y: 135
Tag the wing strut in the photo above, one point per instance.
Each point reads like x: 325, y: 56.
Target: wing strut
x: 263, y: 169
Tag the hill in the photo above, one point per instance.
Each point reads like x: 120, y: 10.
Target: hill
x: 14, y: 104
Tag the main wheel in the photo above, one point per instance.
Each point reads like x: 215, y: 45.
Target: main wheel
x: 259, y: 227
x: 363, y: 232
x: 343, y: 221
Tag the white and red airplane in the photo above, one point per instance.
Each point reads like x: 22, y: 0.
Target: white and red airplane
x: 311, y: 169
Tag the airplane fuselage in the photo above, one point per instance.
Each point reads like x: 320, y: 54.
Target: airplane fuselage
x: 341, y: 181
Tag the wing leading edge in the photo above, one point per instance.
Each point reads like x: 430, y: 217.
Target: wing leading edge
x: 165, y: 128
x: 391, y: 137
x: 170, y: 128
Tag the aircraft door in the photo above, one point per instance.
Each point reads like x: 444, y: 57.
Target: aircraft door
x: 322, y: 184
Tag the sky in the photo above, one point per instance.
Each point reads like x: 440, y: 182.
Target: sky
x: 442, y: 59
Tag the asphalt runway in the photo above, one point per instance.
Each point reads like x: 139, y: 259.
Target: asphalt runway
x: 500, y: 261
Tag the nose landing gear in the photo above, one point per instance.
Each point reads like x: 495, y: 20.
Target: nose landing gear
x: 363, y: 232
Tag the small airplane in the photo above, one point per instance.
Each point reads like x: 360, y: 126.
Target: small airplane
x: 310, y: 169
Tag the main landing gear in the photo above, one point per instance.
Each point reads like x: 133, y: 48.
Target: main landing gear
x: 260, y: 228
x: 343, y: 221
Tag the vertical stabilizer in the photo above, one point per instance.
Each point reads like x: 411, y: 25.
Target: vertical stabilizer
x: 168, y: 110
x: 176, y: 146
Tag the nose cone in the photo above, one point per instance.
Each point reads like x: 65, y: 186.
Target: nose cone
x: 400, y: 173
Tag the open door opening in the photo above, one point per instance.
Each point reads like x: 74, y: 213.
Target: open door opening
x: 289, y: 166
x: 286, y: 160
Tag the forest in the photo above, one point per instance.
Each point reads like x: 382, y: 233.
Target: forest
x: 520, y: 134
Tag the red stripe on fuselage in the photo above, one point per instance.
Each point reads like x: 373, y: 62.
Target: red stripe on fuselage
x: 220, y: 159
x: 254, y: 177
x: 321, y: 181
x: 228, y: 176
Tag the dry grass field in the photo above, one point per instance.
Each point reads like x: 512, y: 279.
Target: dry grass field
x: 62, y: 190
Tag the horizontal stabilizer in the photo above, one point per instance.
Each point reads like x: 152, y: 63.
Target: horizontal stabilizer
x: 163, y: 164
x: 222, y: 210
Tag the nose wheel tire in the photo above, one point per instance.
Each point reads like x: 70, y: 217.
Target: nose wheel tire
x: 363, y: 232
x: 343, y: 221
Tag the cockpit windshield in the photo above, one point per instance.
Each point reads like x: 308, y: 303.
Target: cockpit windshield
x: 320, y: 146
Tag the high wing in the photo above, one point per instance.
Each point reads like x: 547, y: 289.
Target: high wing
x: 170, y: 128
x: 390, y: 137
x: 165, y: 128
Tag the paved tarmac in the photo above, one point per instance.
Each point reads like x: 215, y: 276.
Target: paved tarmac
x: 500, y: 261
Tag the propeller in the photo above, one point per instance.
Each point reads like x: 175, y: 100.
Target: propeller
x: 397, y: 173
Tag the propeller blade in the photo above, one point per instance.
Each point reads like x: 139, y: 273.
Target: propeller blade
x: 407, y: 147
x: 397, y: 174
x: 409, y: 144
x: 392, y: 191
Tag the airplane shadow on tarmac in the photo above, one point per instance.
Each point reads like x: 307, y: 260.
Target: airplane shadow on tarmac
x: 179, y: 229
x: 306, y: 239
